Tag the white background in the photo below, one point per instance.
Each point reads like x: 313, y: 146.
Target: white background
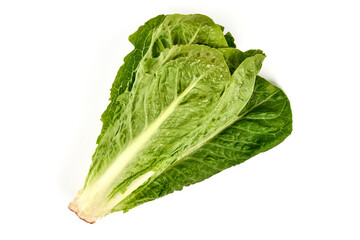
x: 58, y: 60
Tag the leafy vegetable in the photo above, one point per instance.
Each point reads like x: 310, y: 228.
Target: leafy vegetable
x: 184, y: 106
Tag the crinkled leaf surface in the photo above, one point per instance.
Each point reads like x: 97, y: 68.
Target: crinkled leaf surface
x: 265, y: 122
x: 184, y: 106
x: 149, y: 40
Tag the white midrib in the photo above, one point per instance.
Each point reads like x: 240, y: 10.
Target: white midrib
x: 101, y: 187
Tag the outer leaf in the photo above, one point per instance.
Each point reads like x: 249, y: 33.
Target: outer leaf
x: 264, y: 123
x: 149, y: 41
x: 125, y: 77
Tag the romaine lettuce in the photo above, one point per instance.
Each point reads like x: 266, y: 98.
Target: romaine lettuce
x: 184, y: 106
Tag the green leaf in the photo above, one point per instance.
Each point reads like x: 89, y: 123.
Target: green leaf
x: 230, y: 40
x: 157, y: 34
x: 125, y: 77
x: 234, y: 57
x: 149, y: 40
x: 264, y: 123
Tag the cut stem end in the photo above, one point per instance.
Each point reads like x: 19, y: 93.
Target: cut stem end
x: 71, y: 208
x: 84, y: 214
